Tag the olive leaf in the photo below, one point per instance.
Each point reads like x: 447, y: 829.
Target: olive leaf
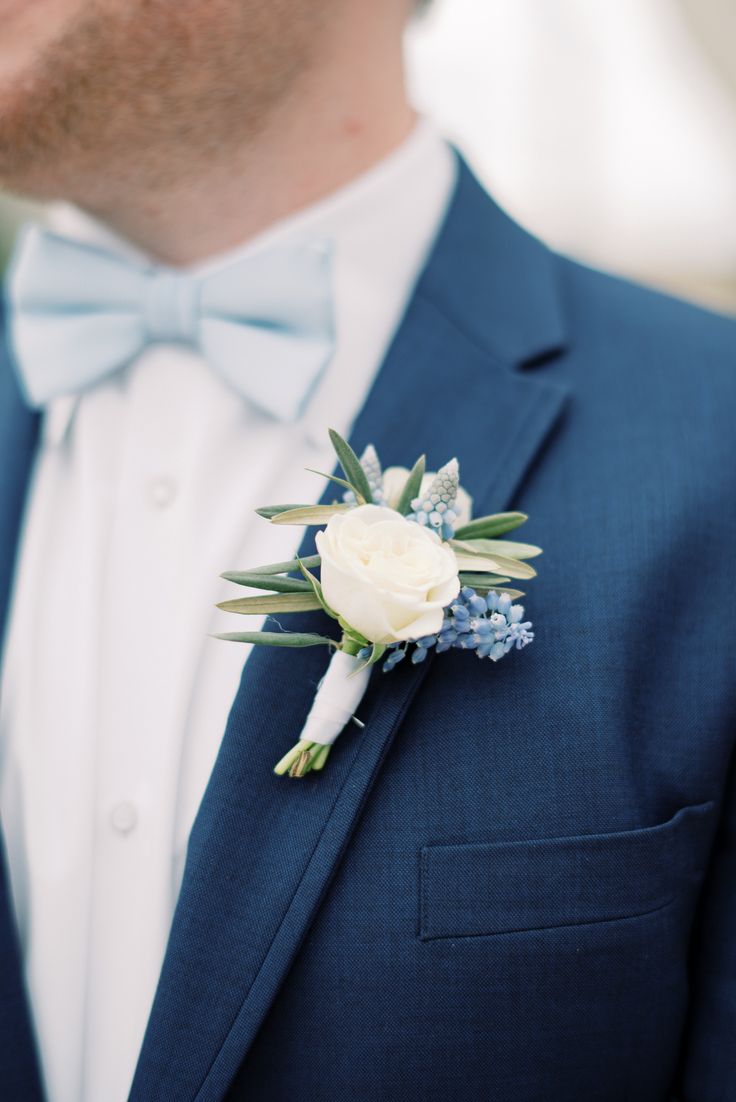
x: 488, y: 527
x: 351, y: 633
x: 273, y: 568
x: 412, y: 486
x: 340, y: 482
x: 469, y: 559
x: 279, y: 602
x: 377, y: 652
x: 273, y: 582
x: 309, y: 514
x: 485, y: 580
x: 270, y: 511
x: 351, y: 465
x: 476, y: 562
x: 482, y: 584
x: 316, y: 587
x: 506, y: 548
x: 277, y: 638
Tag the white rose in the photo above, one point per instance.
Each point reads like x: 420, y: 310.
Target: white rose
x: 394, y: 480
x: 388, y: 577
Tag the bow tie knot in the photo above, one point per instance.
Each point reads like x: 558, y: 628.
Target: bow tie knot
x: 171, y: 307
x: 263, y: 322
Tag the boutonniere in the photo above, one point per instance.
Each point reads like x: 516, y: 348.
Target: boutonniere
x: 404, y: 569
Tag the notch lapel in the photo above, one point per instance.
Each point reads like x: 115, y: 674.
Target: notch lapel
x: 19, y: 1074
x: 264, y: 849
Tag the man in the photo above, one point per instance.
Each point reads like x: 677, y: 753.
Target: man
x: 516, y: 882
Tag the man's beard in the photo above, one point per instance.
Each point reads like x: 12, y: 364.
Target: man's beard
x: 149, y: 91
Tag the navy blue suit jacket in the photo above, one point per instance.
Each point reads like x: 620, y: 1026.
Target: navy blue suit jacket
x: 518, y: 882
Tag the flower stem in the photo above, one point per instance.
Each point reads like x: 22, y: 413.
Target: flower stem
x: 306, y: 754
x: 288, y: 759
x: 302, y: 758
x: 320, y: 757
x: 301, y: 765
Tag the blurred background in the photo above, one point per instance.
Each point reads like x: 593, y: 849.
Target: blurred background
x: 608, y: 127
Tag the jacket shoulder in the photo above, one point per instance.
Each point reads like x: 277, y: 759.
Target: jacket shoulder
x: 645, y: 325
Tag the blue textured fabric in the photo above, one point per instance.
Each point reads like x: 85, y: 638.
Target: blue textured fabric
x: 518, y: 882
x: 79, y: 313
x: 19, y: 1077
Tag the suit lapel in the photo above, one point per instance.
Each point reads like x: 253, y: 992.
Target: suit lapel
x: 263, y: 849
x: 18, y: 436
x: 18, y: 430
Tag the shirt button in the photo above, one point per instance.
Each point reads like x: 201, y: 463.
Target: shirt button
x: 123, y: 818
x: 162, y: 492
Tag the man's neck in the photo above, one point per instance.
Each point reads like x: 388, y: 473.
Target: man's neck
x: 327, y: 134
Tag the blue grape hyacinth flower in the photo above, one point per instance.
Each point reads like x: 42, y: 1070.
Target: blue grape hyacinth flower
x: 435, y: 508
x: 371, y: 464
x: 491, y: 626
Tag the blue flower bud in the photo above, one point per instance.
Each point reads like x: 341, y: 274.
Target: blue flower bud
x: 394, y: 657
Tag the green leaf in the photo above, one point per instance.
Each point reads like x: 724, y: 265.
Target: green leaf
x: 476, y: 562
x: 351, y: 466
x: 480, y: 582
x: 351, y: 633
x: 340, y: 482
x: 316, y: 587
x: 486, y: 581
x: 377, y: 652
x: 274, y: 582
x: 280, y: 602
x: 412, y: 486
x: 309, y: 514
x: 514, y: 568
x: 277, y: 638
x: 270, y: 511
x: 469, y: 559
x: 310, y: 579
x: 491, y: 526
x: 273, y: 568
x: 506, y: 548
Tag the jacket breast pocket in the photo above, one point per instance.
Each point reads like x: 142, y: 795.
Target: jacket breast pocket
x: 486, y: 888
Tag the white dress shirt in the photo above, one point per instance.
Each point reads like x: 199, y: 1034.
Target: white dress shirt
x: 114, y: 699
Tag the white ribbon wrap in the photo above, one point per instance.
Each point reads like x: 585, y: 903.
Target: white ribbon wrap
x: 338, y: 695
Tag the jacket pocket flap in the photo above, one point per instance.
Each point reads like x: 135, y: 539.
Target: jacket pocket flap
x: 479, y: 888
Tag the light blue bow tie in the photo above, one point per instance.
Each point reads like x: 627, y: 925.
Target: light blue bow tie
x: 79, y: 313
